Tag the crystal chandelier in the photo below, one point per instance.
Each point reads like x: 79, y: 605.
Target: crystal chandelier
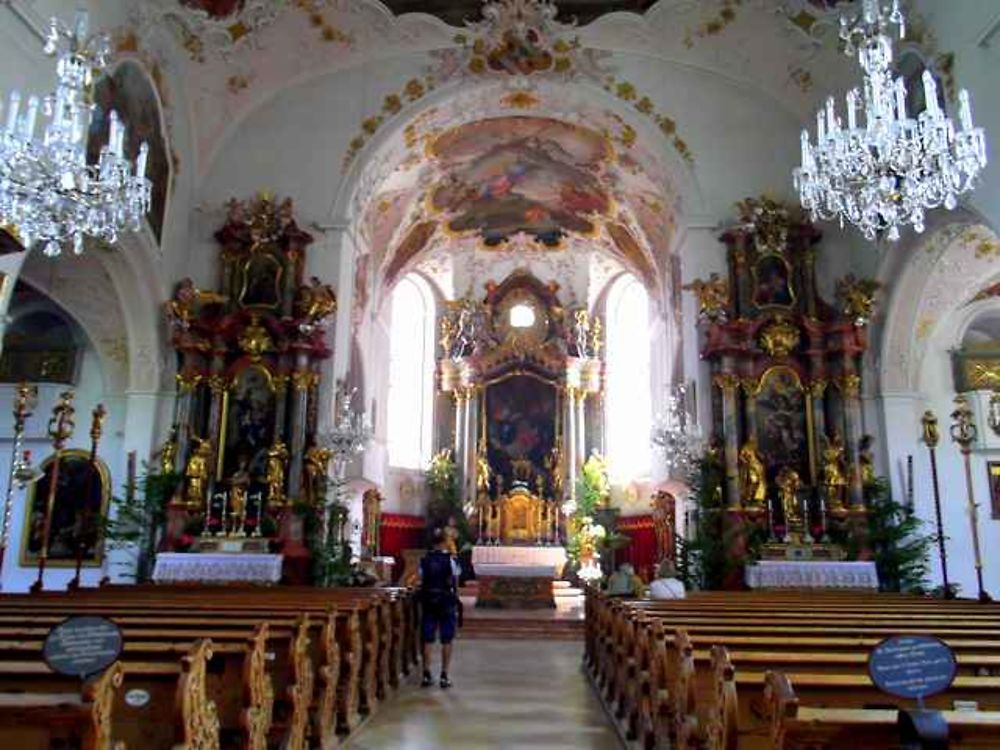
x: 48, y: 192
x: 350, y: 434
x: 887, y: 172
x: 678, y: 435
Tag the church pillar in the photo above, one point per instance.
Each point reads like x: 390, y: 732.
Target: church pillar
x: 581, y: 430
x: 10, y: 269
x: 302, y: 383
x: 850, y: 389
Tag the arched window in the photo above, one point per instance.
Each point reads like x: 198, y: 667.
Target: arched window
x: 629, y: 397
x: 410, y: 403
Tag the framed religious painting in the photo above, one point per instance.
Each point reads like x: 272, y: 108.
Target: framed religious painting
x: 782, y: 429
x: 261, y: 283
x: 993, y: 472
x: 83, y: 491
x: 772, y: 282
x: 251, y: 408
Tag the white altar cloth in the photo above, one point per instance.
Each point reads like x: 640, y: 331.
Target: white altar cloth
x: 553, y: 558
x: 811, y: 574
x: 502, y: 570
x: 208, y: 567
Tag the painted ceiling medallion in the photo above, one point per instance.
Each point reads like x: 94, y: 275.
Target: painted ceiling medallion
x: 507, y: 175
x: 518, y: 37
x: 215, y: 8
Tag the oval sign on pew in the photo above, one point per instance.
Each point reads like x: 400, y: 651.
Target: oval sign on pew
x: 912, y: 666
x: 82, y: 646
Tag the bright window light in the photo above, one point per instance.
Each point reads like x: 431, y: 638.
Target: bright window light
x: 522, y: 316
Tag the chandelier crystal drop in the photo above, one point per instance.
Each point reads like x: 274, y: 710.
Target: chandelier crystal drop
x: 889, y: 170
x: 49, y: 193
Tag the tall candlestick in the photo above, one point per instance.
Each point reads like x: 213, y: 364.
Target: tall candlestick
x: 60, y: 429
x: 964, y: 432
x: 964, y: 110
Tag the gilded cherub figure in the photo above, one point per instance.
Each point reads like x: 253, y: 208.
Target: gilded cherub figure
x: 315, y: 301
x: 857, y: 298
x: 713, y: 297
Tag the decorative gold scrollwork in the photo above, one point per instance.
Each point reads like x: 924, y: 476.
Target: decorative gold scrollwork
x: 199, y: 718
x: 100, y: 694
x: 258, y: 691
x: 779, y: 338
x: 300, y: 692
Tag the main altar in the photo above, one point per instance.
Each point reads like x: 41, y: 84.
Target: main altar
x: 523, y: 372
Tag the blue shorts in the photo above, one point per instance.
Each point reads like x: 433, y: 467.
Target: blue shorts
x: 439, y: 620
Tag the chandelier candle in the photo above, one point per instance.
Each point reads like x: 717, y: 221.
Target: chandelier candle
x: 886, y: 173
x: 48, y: 191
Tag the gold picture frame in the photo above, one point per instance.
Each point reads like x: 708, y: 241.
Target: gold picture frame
x: 74, y: 470
x: 766, y: 295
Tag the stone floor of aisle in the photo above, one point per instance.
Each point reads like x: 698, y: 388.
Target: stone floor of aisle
x: 507, y: 694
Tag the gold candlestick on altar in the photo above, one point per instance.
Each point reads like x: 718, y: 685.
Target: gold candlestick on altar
x: 20, y: 468
x: 83, y: 505
x: 963, y: 432
x: 60, y: 429
x: 931, y: 435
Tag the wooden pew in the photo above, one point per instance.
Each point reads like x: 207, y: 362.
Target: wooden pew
x: 29, y: 720
x: 793, y: 725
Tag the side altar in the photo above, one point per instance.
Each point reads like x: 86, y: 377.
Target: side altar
x: 788, y: 459
x: 244, y: 439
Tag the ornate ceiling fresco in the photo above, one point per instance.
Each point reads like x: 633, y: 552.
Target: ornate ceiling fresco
x: 520, y: 174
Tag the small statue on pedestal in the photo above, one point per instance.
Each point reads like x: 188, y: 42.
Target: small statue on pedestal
x: 315, y: 464
x: 753, y: 482
x: 789, y: 483
x: 371, y: 501
x: 451, y: 535
x: 239, y: 484
x: 277, y: 455
x: 866, y: 461
x: 168, y: 453
x: 834, y: 481
x: 196, y: 474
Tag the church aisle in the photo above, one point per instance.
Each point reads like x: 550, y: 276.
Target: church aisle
x: 508, y: 694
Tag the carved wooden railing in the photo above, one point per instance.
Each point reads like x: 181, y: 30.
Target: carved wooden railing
x: 300, y: 692
x: 329, y: 677
x: 197, y: 716
x: 100, y: 693
x: 369, y: 660
x: 258, y: 691
x: 348, y: 695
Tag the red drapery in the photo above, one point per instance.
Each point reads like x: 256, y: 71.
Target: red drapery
x: 397, y: 532
x: 641, y: 550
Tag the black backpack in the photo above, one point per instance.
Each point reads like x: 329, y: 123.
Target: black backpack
x: 437, y: 581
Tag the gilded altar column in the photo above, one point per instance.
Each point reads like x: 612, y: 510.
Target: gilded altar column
x: 850, y: 389
x: 729, y: 383
x: 302, y: 383
x: 750, y: 387
x: 217, y: 414
x: 461, y: 396
x: 569, y: 417
x: 187, y: 381
x: 471, y: 443
x: 816, y: 425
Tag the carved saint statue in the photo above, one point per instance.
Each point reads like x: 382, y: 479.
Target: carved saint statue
x: 866, y: 461
x: 371, y: 502
x: 553, y: 467
x: 834, y: 481
x: 788, y: 482
x: 664, y: 518
x: 168, y: 453
x: 483, y: 471
x: 451, y: 535
x: 581, y: 332
x: 277, y: 455
x: 753, y: 481
x: 315, y: 464
x: 197, y: 472
x: 446, y: 335
x: 596, y: 337
x: 239, y: 483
